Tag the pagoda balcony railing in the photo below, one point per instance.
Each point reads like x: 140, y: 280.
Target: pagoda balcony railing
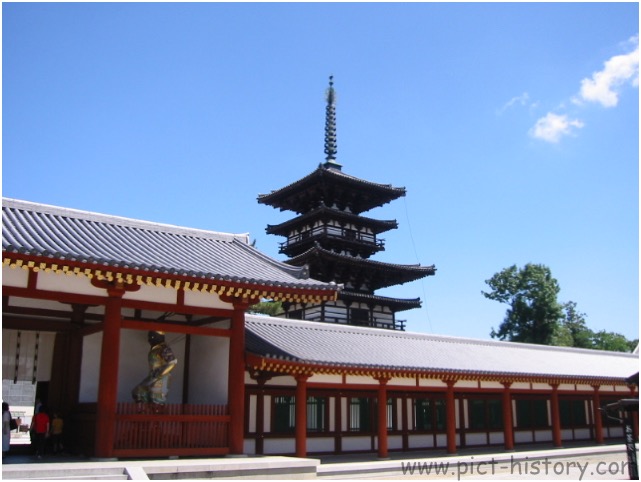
x: 334, y: 232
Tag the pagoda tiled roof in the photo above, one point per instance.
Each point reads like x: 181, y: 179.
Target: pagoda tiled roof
x: 336, y: 347
x: 366, y: 194
x: 376, y: 225
x: 394, y: 273
x: 104, y: 241
x: 395, y: 304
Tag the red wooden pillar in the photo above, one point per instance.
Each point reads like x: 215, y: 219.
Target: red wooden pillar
x: 556, y: 416
x: 598, y: 418
x: 108, y: 382
x: 450, y: 417
x: 508, y: 429
x: 301, y: 415
x: 382, y: 417
x: 405, y: 426
x: 236, y: 381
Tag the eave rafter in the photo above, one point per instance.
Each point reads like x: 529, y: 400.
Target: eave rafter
x: 127, y: 276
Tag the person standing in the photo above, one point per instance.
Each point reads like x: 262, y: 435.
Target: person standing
x: 6, y: 428
x: 56, y: 433
x: 40, y: 426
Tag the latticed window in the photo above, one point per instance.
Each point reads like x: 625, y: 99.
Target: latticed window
x: 572, y: 413
x: 316, y: 414
x: 363, y: 414
x: 390, y: 414
x: 485, y: 414
x: 429, y: 414
x: 359, y: 316
x: 360, y: 414
x: 284, y: 414
x: 532, y: 413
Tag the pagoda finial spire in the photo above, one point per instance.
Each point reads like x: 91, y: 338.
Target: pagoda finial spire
x: 330, y: 127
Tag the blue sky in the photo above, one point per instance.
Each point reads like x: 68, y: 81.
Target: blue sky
x: 513, y: 127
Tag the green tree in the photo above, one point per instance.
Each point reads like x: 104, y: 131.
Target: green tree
x: 572, y: 330
x: 534, y: 312
x: 608, y: 340
x: 271, y: 308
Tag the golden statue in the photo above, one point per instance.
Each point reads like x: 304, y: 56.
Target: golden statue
x: 153, y: 389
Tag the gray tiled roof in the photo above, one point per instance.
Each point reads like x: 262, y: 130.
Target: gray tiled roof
x: 287, y: 197
x: 92, y: 238
x: 350, y: 346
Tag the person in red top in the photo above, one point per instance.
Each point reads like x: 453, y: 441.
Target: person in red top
x: 40, y: 427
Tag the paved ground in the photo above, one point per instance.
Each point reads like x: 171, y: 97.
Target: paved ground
x: 601, y: 467
x: 578, y: 462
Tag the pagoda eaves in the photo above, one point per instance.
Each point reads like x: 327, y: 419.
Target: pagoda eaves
x: 328, y: 185
x: 343, y: 268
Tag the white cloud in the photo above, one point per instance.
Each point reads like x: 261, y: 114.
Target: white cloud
x: 617, y: 71
x: 554, y: 126
x: 519, y: 99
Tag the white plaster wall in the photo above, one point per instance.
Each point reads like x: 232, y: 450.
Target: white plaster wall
x: 356, y: 443
x: 267, y: 421
x: 497, y: 437
x: 431, y: 382
x: 252, y: 414
x: 522, y: 436
x: 360, y: 380
x: 475, y: 439
x: 541, y: 386
x: 587, y: 388
x: 441, y: 440
x: 205, y: 300
x: 521, y: 386
x: 394, y: 442
x: 332, y: 414
x: 420, y: 441
x: 566, y: 434
x: 404, y: 382
x: 324, y: 444
x: 279, y: 446
x: 320, y: 378
x: 494, y: 385
x: 284, y: 381
x: 467, y: 384
x: 27, y: 355
x: 208, y: 370
x: 158, y: 294
x: 14, y: 276
x: 68, y: 284
x: 616, y: 431
x: 543, y: 436
x: 249, y: 447
x: 566, y: 386
x: 90, y: 371
x: 582, y: 434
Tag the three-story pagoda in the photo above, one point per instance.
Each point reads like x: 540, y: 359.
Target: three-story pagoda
x: 330, y: 236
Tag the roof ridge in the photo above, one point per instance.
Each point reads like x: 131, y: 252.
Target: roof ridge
x: 122, y: 221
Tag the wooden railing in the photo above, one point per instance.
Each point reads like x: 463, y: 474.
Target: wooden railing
x: 147, y: 431
x: 333, y: 232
